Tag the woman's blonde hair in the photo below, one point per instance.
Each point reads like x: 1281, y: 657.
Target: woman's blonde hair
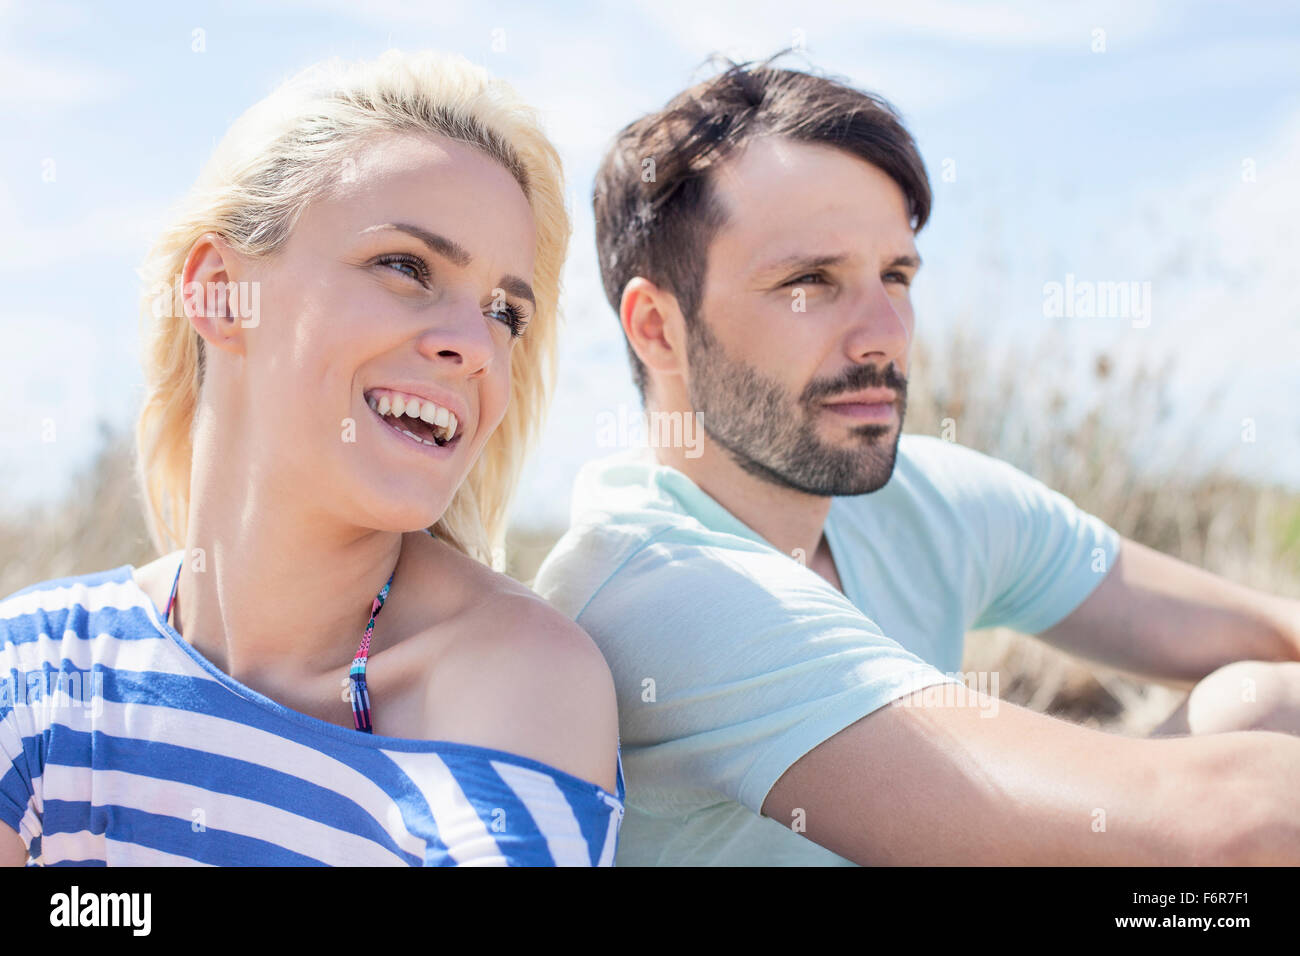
x: 281, y: 155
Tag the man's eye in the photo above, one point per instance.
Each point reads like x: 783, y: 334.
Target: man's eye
x: 817, y: 277
x: 899, y: 277
x: 419, y: 271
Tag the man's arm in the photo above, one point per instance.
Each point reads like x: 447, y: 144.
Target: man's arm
x: 929, y: 784
x: 1163, y: 619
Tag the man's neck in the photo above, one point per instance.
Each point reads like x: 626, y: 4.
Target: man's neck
x: 789, y: 520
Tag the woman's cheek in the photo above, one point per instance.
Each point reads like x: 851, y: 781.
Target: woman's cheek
x: 501, y: 392
x: 500, y: 406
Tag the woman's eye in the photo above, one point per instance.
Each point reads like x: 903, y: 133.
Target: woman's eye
x: 419, y: 271
x: 512, y: 317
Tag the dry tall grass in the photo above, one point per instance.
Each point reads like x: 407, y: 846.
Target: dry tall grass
x: 98, y: 524
x: 1015, y: 406
x: 1011, y: 405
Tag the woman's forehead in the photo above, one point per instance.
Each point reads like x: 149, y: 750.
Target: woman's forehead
x: 443, y: 187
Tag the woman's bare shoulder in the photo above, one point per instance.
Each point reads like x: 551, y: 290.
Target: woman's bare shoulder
x: 519, y: 676
x: 155, y: 578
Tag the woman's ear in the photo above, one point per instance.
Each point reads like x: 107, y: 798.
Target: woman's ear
x: 217, y: 304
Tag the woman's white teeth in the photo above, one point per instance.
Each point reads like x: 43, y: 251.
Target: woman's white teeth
x: 443, y: 420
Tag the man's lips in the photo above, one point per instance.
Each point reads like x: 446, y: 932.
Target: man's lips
x: 877, y: 405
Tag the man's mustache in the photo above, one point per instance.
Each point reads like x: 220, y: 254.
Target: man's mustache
x: 856, y: 379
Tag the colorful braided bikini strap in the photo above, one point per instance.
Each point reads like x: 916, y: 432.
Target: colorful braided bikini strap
x: 357, y: 676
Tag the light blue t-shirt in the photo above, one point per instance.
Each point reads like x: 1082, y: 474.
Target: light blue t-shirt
x: 731, y: 660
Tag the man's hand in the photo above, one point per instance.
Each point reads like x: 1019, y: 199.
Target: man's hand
x: 1163, y: 619
x: 1246, y: 695
x: 1291, y: 626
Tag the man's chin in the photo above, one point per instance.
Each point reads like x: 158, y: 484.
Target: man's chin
x: 845, y: 468
x: 873, y: 434
x: 875, y: 448
x: 874, y: 476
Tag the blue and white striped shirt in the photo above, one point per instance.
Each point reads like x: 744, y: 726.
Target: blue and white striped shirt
x: 121, y: 745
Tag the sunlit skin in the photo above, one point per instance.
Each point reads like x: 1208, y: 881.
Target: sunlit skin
x: 301, y: 525
x: 847, y: 226
x: 1152, y: 615
x: 934, y: 783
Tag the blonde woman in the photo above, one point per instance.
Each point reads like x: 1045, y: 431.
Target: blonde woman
x: 352, y: 357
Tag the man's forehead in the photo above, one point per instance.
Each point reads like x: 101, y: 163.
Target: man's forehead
x: 808, y: 169
x: 784, y: 197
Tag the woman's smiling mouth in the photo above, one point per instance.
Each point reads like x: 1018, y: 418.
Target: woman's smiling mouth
x: 416, y: 419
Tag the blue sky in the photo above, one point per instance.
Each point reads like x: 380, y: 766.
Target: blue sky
x: 1124, y: 163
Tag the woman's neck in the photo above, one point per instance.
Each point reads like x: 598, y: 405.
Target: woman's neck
x: 268, y: 591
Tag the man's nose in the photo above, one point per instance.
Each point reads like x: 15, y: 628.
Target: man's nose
x: 880, y: 327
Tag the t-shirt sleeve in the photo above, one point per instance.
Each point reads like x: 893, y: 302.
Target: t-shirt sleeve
x: 1043, y: 554
x: 731, y: 664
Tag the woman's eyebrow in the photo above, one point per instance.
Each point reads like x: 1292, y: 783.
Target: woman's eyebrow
x: 457, y: 254
x: 439, y: 245
x: 518, y: 287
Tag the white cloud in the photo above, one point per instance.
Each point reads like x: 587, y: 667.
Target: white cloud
x: 377, y: 14
x: 30, y: 83
x: 753, y: 26
x: 40, y: 81
x: 111, y: 229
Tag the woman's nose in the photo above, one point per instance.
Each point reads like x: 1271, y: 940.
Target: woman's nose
x: 460, y: 336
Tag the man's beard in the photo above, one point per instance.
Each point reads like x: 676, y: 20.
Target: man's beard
x: 774, y: 437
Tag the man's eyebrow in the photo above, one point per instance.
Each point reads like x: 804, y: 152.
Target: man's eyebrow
x: 802, y: 260
x: 457, y: 254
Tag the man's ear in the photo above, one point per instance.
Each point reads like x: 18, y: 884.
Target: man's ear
x: 211, y: 293
x: 653, y: 324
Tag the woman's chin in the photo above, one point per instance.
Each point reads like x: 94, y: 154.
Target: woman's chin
x: 408, y: 512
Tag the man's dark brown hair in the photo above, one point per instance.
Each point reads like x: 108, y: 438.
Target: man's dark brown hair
x: 656, y: 210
